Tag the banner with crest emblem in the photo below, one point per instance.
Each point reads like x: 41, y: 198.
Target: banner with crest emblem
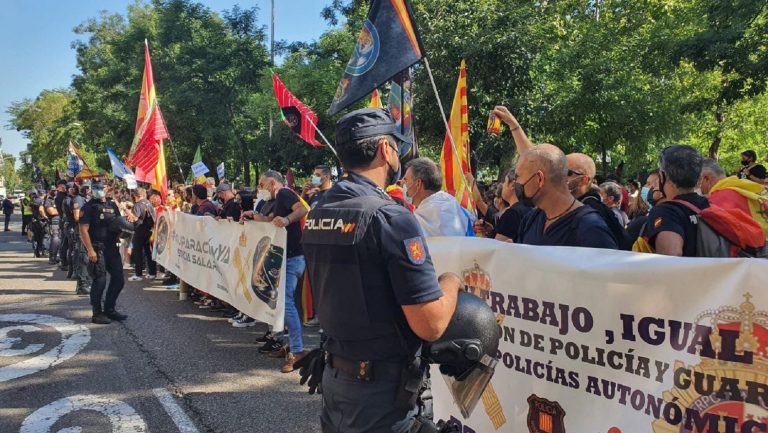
x: 606, y: 341
x: 241, y: 264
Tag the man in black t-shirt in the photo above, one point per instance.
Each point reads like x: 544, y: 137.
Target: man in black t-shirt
x: 751, y: 169
x: 284, y: 209
x: 508, y: 225
x: 559, y: 219
x: 230, y: 208
x: 320, y: 183
x: 669, y: 229
x: 145, y: 223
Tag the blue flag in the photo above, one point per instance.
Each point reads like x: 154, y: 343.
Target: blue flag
x: 388, y: 43
x: 119, y: 169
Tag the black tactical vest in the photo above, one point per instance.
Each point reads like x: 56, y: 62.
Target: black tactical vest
x: 347, y: 270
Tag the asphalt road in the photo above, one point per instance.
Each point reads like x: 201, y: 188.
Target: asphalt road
x: 170, y: 367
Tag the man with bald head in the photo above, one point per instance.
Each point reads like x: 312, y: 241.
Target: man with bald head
x: 541, y: 180
x: 580, y: 172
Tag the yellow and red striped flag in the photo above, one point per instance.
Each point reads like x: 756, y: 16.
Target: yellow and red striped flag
x: 146, y: 152
x: 454, y: 161
x: 375, y: 100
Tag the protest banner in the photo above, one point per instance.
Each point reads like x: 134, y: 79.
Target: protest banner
x: 612, y: 341
x: 241, y: 264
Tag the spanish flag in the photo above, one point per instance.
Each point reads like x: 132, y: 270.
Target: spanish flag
x: 750, y: 197
x: 146, y: 152
x: 375, y: 100
x: 454, y: 161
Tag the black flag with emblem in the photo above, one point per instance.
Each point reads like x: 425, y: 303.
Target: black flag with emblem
x: 388, y: 43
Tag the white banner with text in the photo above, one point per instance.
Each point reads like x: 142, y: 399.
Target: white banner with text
x: 597, y: 341
x: 241, y: 264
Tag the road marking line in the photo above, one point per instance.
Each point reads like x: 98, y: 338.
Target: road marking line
x: 177, y: 414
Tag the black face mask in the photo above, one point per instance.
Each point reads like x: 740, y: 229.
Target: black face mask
x: 745, y: 162
x: 651, y: 201
x: 392, y: 174
x: 520, y: 193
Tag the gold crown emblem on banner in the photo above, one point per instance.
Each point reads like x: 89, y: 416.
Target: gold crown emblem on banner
x: 753, y: 337
x: 750, y: 323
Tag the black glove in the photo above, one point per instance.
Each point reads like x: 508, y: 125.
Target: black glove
x: 311, y: 368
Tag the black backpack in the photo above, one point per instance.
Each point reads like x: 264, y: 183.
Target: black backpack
x: 621, y: 235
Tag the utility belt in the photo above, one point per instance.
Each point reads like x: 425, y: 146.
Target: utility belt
x: 409, y: 375
x: 365, y: 371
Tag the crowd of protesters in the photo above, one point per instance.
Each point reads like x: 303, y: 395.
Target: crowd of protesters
x: 548, y: 198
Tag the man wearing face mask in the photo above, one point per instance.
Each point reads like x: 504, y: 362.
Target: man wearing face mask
x: 560, y: 219
x: 378, y: 295
x: 321, y: 182
x: 438, y: 212
x: 284, y: 209
x: 750, y: 168
x: 100, y: 227
x: 670, y: 230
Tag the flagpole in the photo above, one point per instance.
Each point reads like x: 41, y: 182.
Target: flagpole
x: 176, y: 156
x: 328, y: 143
x: 445, y: 119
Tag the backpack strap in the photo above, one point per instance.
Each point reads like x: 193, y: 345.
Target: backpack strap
x: 687, y: 204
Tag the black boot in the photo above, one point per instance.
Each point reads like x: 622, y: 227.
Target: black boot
x: 114, y: 315
x: 100, y: 319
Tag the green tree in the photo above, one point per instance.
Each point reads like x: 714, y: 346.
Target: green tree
x: 730, y: 41
x: 50, y: 122
x: 205, y: 69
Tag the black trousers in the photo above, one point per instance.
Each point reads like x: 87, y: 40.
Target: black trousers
x: 55, y: 232
x: 26, y: 220
x: 142, y: 253
x: 352, y: 406
x: 64, y: 246
x: 114, y: 267
x: 7, y: 220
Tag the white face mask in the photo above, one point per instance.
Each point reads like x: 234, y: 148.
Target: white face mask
x: 408, y: 198
x: 263, y: 194
x: 316, y: 180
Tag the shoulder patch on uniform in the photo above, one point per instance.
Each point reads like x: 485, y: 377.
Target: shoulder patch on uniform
x: 414, y: 247
x: 657, y: 222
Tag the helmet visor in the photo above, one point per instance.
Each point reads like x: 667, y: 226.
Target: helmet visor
x: 467, y: 390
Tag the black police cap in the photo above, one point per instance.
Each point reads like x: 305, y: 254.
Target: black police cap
x: 366, y: 123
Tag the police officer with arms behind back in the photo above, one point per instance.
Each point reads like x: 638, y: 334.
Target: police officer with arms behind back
x: 100, y: 228
x: 378, y: 296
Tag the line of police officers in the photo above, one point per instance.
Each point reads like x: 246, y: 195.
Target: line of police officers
x: 80, y: 226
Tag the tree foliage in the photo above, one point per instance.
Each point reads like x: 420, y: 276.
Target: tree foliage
x: 617, y: 79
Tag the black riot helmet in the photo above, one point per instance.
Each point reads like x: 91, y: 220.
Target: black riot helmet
x: 466, y: 352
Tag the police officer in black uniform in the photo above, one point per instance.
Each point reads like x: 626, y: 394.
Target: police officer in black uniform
x: 39, y: 222
x: 58, y: 201
x: 100, y: 228
x: 54, y: 221
x: 378, y: 296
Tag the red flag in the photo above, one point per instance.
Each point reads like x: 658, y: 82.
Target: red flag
x: 150, y: 131
x: 295, y: 114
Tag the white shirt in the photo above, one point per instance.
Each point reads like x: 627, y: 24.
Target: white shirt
x: 441, y: 215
